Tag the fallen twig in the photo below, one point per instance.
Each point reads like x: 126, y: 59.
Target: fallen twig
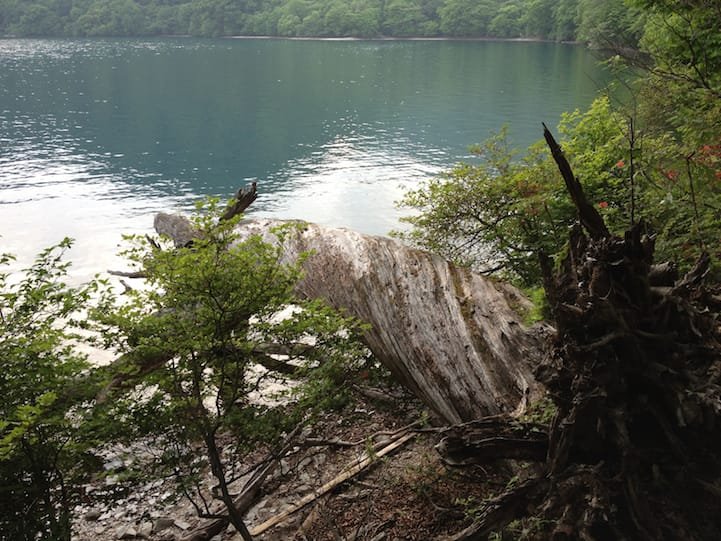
x: 247, y: 496
x: 317, y: 442
x: 349, y: 471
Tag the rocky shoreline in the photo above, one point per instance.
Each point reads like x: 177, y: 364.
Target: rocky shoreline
x: 118, y: 505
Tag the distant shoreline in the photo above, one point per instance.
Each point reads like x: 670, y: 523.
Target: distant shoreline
x: 312, y: 38
x: 405, y: 38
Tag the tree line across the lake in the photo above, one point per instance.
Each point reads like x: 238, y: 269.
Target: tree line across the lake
x: 584, y: 20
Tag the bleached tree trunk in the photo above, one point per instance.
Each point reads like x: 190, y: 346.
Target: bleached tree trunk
x: 454, y: 338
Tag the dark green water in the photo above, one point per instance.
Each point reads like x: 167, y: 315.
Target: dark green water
x: 97, y: 135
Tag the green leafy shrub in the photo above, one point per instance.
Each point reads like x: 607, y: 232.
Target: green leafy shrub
x: 497, y: 215
x: 46, y: 421
x: 211, y: 316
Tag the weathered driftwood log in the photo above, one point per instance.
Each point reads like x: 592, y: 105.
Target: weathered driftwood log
x: 455, y: 338
x: 635, y: 375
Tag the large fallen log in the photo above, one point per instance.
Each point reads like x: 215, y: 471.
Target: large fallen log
x: 456, y: 339
x: 453, y: 337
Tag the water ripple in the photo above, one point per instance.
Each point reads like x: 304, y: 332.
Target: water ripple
x: 96, y: 135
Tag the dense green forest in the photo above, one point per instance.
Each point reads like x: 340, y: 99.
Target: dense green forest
x: 584, y: 20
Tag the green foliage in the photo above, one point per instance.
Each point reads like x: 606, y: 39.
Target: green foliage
x: 540, y: 310
x: 612, y: 24
x: 492, y: 216
x: 498, y: 215
x: 46, y: 425
x: 408, y: 18
x: 680, y: 99
x: 220, y: 312
x: 658, y: 159
x: 356, y: 18
x: 565, y: 13
x: 209, y: 317
x: 538, y: 18
x: 465, y: 17
x: 541, y: 412
x: 110, y: 18
x: 363, y: 18
x: 683, y: 90
x: 508, y: 21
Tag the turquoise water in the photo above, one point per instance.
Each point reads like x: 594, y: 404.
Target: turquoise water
x: 98, y: 135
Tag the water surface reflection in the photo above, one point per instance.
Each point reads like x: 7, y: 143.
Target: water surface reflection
x: 98, y: 135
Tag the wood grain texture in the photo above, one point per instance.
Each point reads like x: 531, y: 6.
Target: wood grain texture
x: 453, y: 337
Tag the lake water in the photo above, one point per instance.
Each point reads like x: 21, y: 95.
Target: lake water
x: 98, y: 135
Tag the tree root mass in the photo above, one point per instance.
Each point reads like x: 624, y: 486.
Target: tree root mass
x: 633, y: 450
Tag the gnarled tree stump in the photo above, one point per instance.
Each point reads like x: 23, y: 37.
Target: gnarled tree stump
x: 634, y: 451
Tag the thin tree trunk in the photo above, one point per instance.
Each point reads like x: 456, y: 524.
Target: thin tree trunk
x: 216, y: 466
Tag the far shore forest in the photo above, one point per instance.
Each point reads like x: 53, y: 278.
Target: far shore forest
x: 642, y: 428
x: 599, y: 23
